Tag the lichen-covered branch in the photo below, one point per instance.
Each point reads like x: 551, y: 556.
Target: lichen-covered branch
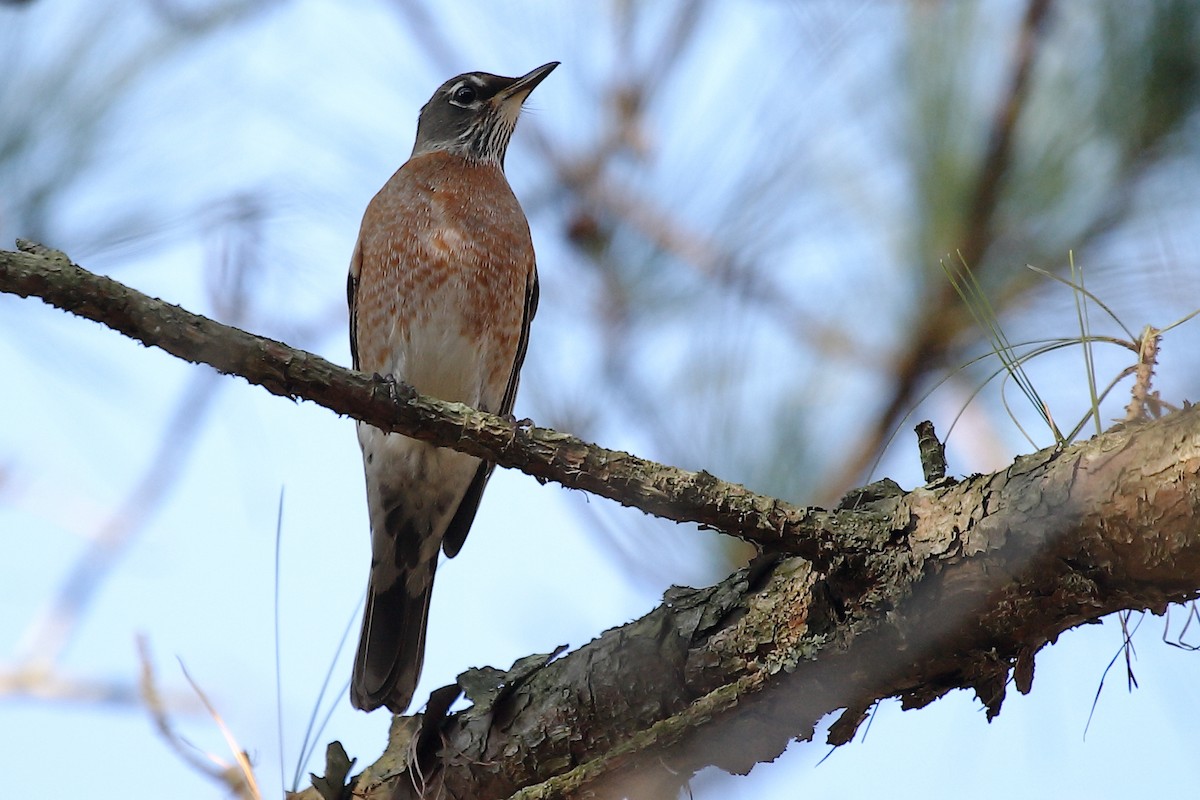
x: 972, y: 580
x: 543, y: 453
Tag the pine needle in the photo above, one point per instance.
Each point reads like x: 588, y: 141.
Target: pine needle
x: 967, y: 286
x: 1081, y: 312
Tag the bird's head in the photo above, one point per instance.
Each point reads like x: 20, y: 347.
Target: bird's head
x: 474, y: 114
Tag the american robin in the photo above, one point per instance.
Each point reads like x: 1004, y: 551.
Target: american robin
x: 442, y: 289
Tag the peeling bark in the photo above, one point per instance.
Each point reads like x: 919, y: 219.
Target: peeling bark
x: 963, y: 585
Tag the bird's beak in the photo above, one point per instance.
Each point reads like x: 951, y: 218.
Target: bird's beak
x: 520, y: 88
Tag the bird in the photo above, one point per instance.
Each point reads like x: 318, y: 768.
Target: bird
x: 442, y: 289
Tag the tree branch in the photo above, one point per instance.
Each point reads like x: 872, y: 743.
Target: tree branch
x: 973, y: 580
x: 546, y: 454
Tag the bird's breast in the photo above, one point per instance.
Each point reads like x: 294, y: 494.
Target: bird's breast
x: 446, y: 260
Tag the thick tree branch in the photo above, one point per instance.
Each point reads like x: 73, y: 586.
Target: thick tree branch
x: 973, y: 580
x: 543, y: 453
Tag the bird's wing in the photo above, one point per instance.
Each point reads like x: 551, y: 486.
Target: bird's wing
x: 456, y: 532
x: 351, y: 300
x: 531, y: 304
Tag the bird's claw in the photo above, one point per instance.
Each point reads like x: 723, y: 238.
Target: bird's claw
x: 399, y: 391
x: 523, y: 425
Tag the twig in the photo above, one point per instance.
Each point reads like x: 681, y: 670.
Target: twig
x: 933, y: 452
x: 1143, y: 401
x: 237, y: 777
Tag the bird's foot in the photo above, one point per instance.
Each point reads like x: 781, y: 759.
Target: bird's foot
x: 398, y: 390
x: 525, y: 424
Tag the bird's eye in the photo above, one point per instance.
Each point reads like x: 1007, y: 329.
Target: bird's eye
x: 463, y: 96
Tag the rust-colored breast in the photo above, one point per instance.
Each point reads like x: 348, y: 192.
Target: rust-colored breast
x: 444, y: 261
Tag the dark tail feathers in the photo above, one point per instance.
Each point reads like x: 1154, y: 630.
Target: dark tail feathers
x: 391, y: 647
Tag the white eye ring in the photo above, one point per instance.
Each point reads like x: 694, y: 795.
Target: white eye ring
x: 463, y: 95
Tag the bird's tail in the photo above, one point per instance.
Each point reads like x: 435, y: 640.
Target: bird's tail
x: 391, y: 647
